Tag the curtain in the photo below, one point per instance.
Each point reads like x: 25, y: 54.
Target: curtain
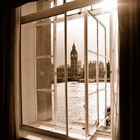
x: 129, y: 27
x: 7, y: 117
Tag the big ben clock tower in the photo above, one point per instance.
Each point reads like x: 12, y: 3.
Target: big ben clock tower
x: 74, y: 58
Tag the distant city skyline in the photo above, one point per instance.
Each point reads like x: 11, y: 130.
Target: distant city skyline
x: 76, y: 71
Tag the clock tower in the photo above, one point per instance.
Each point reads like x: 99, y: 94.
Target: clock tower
x: 74, y: 58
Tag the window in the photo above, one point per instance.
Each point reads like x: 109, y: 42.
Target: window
x: 65, y: 69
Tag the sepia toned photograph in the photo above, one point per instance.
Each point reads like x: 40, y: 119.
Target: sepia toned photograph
x: 67, y: 69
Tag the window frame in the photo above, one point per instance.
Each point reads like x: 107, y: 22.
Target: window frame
x: 62, y: 9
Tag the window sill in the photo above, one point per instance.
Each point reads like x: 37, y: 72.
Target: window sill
x: 27, y: 133
x: 32, y: 135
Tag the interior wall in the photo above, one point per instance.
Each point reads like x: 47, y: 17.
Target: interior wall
x: 129, y: 19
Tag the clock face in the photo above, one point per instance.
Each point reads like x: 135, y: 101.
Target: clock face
x: 73, y: 55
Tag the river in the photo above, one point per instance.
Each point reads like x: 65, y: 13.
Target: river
x: 76, y: 103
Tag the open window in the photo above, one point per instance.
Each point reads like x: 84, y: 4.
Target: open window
x: 65, y: 68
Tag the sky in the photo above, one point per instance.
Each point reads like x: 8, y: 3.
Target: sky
x: 75, y: 34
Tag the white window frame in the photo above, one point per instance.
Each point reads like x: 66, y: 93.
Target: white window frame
x: 63, y: 9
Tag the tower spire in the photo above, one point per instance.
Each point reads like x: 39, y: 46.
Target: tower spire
x: 74, y: 58
x: 73, y: 46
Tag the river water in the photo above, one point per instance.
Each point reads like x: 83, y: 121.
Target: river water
x: 76, y: 103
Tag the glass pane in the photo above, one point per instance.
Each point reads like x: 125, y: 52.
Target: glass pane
x: 92, y: 72
x: 101, y: 68
x: 60, y: 69
x: 28, y: 8
x: 34, y: 7
x: 42, y: 57
x: 92, y: 90
x: 43, y: 33
x: 92, y: 98
x: 101, y: 106
x: 101, y: 40
x: 92, y: 69
x: 44, y: 73
x: 76, y: 86
x: 92, y: 34
x: 104, y: 18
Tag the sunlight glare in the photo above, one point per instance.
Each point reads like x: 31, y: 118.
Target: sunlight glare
x: 108, y: 4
